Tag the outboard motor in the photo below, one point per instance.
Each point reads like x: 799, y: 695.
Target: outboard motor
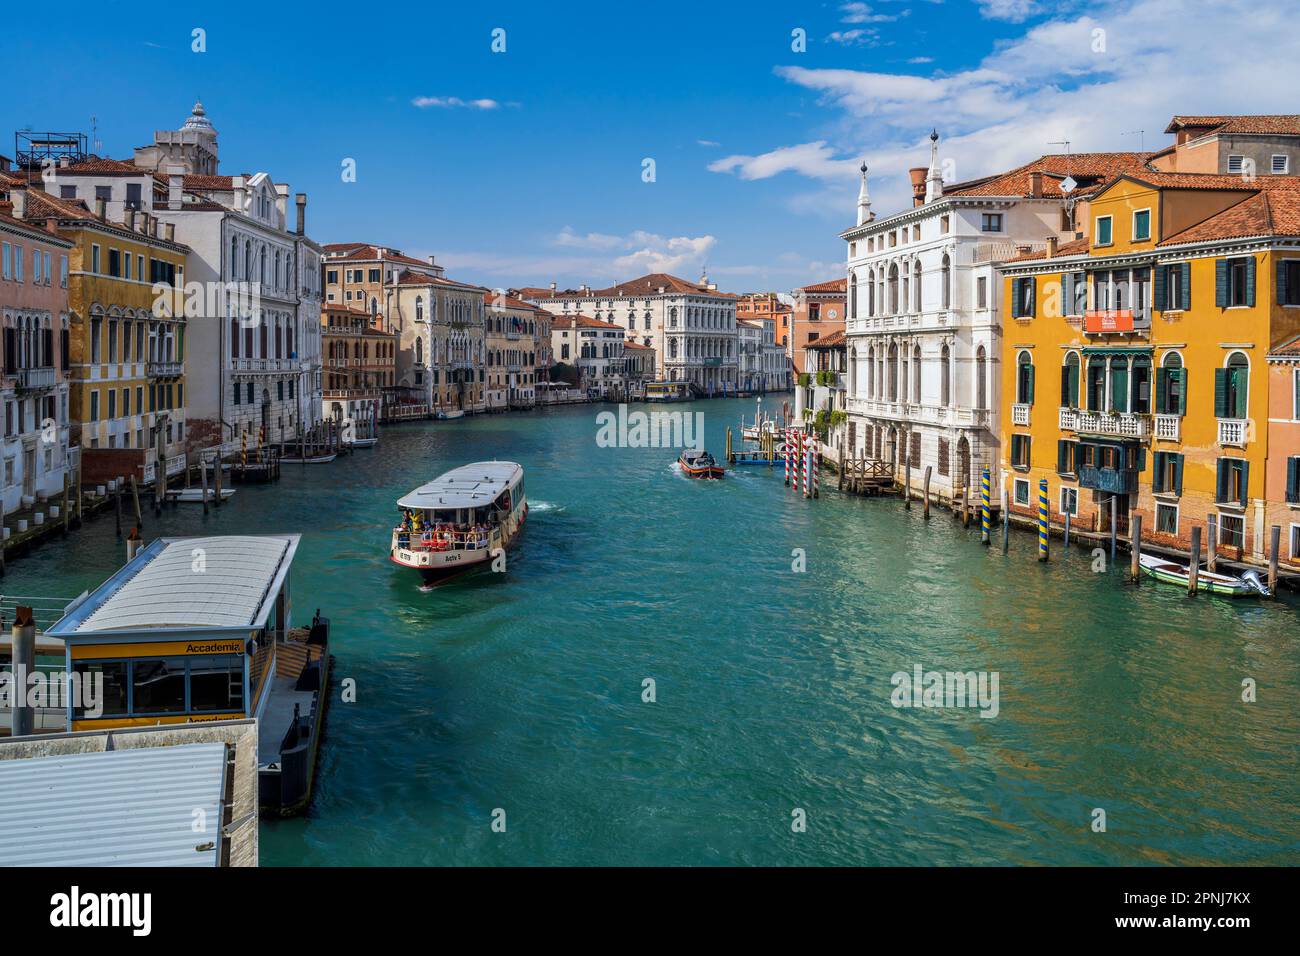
x: 1252, y: 578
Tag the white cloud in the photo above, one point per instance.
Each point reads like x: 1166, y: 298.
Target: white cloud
x: 453, y: 102
x: 1012, y: 10
x: 921, y: 59
x: 707, y: 142
x: 853, y: 37
x: 861, y: 13
x: 1085, y: 78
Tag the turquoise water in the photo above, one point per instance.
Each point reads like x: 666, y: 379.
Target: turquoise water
x: 773, y: 688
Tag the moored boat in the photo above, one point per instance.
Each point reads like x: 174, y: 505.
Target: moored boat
x: 698, y: 463
x: 461, y: 520
x: 195, y: 495
x: 449, y: 414
x: 1172, y: 572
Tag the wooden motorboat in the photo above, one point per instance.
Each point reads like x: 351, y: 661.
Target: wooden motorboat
x: 195, y: 495
x: 362, y: 443
x: 449, y: 414
x: 460, y: 521
x: 295, y: 459
x: 698, y: 463
x: 1173, y: 572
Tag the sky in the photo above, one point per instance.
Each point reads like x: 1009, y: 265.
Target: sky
x: 528, y: 164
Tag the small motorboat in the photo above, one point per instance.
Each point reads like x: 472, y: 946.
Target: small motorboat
x: 449, y: 414
x: 195, y: 495
x: 362, y: 443
x: 698, y: 463
x: 1172, y: 572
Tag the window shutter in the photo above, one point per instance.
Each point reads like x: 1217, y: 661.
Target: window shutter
x: 1221, y: 283
x: 1186, y: 290
x: 1029, y: 387
x: 1061, y: 450
x: 47, y: 346
x: 1119, y: 389
x: 1293, y: 479
x: 1033, y: 296
x: 1281, y: 281
x: 63, y: 349
x: 1182, y: 390
x: 1221, y: 480
x: 1161, y: 375
x: 1158, y: 475
x: 1245, y: 476
x: 1158, y: 296
x: 1065, y: 386
x: 1074, y: 386
x: 1178, y: 474
x: 1250, y: 280
x: 1067, y: 293
x: 1015, y: 298
x: 11, y: 352
x: 1240, y: 378
x: 1221, y: 393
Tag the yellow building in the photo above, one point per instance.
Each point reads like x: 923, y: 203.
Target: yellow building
x: 127, y: 341
x: 1134, y: 373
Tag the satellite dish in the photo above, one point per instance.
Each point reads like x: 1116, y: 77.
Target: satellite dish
x: 1068, y: 185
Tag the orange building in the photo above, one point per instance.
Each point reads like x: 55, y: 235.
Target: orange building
x: 818, y: 312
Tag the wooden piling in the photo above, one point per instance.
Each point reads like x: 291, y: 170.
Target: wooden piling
x: 1212, y: 543
x: 1066, y: 543
x: 67, y: 515
x: 1194, y: 566
x: 1274, y: 545
x: 965, y: 506
x: 1006, y: 521
x: 203, y: 482
x: 925, y: 491
x: 218, y: 471
x: 1114, y: 531
x: 81, y: 498
x: 117, y: 507
x: 1135, y: 542
x: 907, y: 483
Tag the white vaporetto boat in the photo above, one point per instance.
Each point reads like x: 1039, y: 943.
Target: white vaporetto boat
x: 461, y: 520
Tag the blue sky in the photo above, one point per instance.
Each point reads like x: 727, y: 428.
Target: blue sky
x: 525, y: 166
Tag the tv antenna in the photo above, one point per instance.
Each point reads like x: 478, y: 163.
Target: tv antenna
x: 1141, y: 134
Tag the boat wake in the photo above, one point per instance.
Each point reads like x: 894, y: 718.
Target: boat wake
x: 545, y: 506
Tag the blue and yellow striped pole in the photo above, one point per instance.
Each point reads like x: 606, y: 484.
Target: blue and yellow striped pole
x: 985, y: 520
x: 1042, y: 519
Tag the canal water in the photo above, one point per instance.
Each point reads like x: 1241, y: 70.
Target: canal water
x: 772, y: 687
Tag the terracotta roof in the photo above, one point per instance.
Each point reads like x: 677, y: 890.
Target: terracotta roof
x: 585, y: 321
x: 834, y: 340
x: 1218, y: 181
x: 205, y: 183
x: 834, y: 285
x: 641, y: 287
x: 41, y: 205
x: 1288, y: 349
x: 102, y: 167
x: 1089, y: 170
x: 1072, y: 248
x: 361, y: 252
x: 7, y: 219
x: 423, y: 278
x: 509, y: 302
x: 1270, y: 212
x: 1283, y: 123
x: 630, y: 344
x: 343, y: 307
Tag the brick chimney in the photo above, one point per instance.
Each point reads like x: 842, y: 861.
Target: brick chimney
x: 1052, y: 243
x: 300, y: 199
x: 918, y: 184
x: 1036, y: 184
x: 174, y: 185
x: 19, y: 199
x: 100, y: 204
x: 169, y: 231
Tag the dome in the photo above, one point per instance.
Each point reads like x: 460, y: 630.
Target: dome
x: 199, y: 120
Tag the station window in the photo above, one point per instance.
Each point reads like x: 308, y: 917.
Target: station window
x: 216, y: 683
x: 114, y: 675
x: 158, y: 686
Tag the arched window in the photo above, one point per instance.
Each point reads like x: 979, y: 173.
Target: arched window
x: 419, y: 308
x: 1024, y: 378
x: 871, y: 372
x: 981, y: 379
x: 906, y: 298
x: 1171, y: 386
x: 893, y: 288
x: 419, y: 350
x: 1231, y: 388
x: 916, y: 287
x: 871, y: 292
x: 916, y: 375
x: 853, y: 371
x: 234, y: 258
x: 893, y: 372
x: 853, y: 294
x: 945, y: 373
x: 1070, y: 381
x: 946, y: 279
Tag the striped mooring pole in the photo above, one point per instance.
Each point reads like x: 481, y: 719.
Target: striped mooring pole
x: 787, y: 457
x: 799, y: 461
x: 986, y: 522
x: 816, y: 469
x: 1042, y: 519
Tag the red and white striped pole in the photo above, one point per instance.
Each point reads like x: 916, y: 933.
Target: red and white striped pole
x: 816, y: 468
x: 787, y: 457
x: 799, y: 445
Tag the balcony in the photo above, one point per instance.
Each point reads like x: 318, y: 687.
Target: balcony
x: 30, y: 379
x: 973, y: 417
x: 165, y: 369
x: 1121, y: 424
x: 1233, y: 431
x: 1112, y: 480
x: 1169, y: 427
x: 1069, y: 419
x: 1020, y: 414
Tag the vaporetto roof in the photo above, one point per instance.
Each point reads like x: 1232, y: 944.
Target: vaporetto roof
x: 220, y: 582
x: 469, y: 486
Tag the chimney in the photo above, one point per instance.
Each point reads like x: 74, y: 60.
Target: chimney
x: 1036, y: 184
x: 918, y: 184
x: 552, y: 289
x: 5, y: 163
x: 128, y: 219
x: 19, y: 199
x: 301, y: 200
x: 174, y: 185
x: 99, y: 207
x: 145, y: 219
x: 433, y: 261
x: 1052, y: 243
x: 170, y: 231
x: 65, y: 162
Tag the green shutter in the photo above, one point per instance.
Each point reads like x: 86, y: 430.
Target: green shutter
x: 1015, y: 297
x: 1161, y: 375
x: 1119, y: 389
x: 1239, y: 379
x: 1074, y: 386
x: 1029, y: 386
x: 1221, y: 393
x: 1158, y: 295
x: 1293, y: 479
x: 1033, y: 296
x: 1158, y: 474
x: 1221, y: 480
x: 1178, y: 474
x: 1062, y: 452
x: 1182, y: 390
x: 1281, y: 282
x: 1065, y: 386
x: 1250, y: 280
x: 1245, y: 477
x: 1186, y: 291
x: 1221, y: 283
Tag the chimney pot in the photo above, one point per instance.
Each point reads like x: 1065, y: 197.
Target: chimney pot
x: 19, y: 199
x: 1052, y: 244
x: 99, y: 208
x: 918, y: 174
x: 170, y: 231
x: 300, y: 199
x: 128, y: 219
x: 1036, y: 184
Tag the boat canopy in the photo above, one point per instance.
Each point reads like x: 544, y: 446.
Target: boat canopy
x: 469, y: 486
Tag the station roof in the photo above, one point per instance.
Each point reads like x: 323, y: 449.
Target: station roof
x: 469, y: 486
x: 213, y: 583
x: 112, y: 808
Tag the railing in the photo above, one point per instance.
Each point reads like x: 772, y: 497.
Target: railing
x: 175, y: 465
x: 1232, y: 431
x: 1168, y: 427
x: 31, y: 378
x: 974, y: 417
x: 444, y: 540
x: 164, y: 369
x: 1069, y: 419
x: 1020, y: 414
x: 1107, y: 479
x: 1123, y: 424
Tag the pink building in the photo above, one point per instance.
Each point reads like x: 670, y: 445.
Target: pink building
x: 34, y: 453
x: 1282, y: 474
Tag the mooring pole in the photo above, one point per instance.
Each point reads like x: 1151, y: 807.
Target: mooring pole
x: 985, y: 516
x: 1194, y: 566
x: 1135, y: 543
x: 1043, y: 519
x: 1113, y: 530
x: 1006, y: 520
x: 1274, y: 543
x: 1211, y: 543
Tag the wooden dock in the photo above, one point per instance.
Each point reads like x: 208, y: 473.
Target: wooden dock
x: 867, y: 476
